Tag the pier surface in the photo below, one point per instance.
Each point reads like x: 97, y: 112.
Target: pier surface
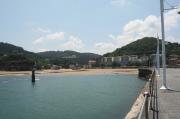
x: 169, y: 100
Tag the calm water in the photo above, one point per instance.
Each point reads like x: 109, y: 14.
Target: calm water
x: 68, y: 97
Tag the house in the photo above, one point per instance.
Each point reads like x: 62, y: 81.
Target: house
x: 55, y: 67
x: 133, y: 58
x: 174, y: 60
x: 70, y: 57
x: 124, y: 60
x: 85, y: 66
x: 91, y: 63
x: 108, y: 61
x: 118, y: 59
x: 143, y: 58
x: 74, y: 67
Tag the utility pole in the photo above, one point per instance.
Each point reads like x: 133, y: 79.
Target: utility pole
x: 157, y: 57
x: 164, y: 85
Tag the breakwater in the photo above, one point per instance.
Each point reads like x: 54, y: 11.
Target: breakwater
x: 144, y: 72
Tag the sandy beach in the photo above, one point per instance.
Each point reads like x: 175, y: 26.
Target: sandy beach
x: 71, y: 72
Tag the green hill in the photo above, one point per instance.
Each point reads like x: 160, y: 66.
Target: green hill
x: 16, y: 58
x: 145, y: 46
x: 6, y: 48
x: 65, y: 58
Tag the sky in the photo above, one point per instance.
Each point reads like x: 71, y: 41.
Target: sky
x: 97, y: 26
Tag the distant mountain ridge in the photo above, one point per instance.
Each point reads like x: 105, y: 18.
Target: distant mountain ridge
x: 6, y: 48
x: 14, y: 57
x: 145, y: 46
x: 68, y: 57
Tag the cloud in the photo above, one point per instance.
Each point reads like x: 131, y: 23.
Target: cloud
x: 146, y: 27
x: 102, y: 47
x: 55, y: 36
x: 43, y: 50
x: 39, y: 40
x: 50, y: 37
x: 152, y: 24
x: 172, y: 19
x: 120, y: 3
x: 42, y: 30
x: 73, y: 43
x: 139, y: 28
x: 172, y: 39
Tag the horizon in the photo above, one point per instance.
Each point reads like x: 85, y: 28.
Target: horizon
x: 84, y: 26
x: 80, y: 51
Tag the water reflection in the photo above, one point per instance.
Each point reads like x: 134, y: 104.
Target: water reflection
x: 33, y: 84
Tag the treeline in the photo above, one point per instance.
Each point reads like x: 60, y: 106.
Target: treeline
x: 145, y: 46
x: 66, y: 58
x: 16, y: 58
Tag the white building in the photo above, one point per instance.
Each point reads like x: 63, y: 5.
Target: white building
x: 118, y: 59
x: 143, y: 58
x: 91, y: 63
x: 108, y: 60
x: 133, y: 58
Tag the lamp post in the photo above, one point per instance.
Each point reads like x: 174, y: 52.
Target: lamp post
x: 157, y: 58
x: 164, y: 85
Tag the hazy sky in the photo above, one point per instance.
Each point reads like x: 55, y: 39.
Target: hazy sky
x: 97, y: 26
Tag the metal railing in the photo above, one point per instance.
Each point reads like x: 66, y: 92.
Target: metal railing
x: 149, y: 109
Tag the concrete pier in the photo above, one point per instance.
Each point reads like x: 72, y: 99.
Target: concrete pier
x: 169, y: 100
x: 144, y: 72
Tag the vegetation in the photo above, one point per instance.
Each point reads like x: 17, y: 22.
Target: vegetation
x: 145, y: 46
x: 16, y: 58
x: 65, y: 58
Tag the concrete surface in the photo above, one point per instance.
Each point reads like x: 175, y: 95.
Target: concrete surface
x: 169, y: 100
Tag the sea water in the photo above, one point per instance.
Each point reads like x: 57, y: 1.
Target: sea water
x: 68, y: 97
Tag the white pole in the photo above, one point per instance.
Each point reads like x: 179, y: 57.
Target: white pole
x: 164, y: 86
x: 157, y: 57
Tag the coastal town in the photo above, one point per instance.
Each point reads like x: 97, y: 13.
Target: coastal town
x: 90, y: 59
x: 128, y: 61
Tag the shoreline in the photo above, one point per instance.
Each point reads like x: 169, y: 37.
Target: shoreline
x: 71, y: 72
x: 135, y: 108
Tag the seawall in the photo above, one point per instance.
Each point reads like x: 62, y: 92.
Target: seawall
x: 136, y: 107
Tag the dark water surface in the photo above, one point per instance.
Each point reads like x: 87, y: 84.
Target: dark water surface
x: 68, y: 97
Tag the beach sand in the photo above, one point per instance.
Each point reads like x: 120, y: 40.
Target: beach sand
x: 71, y: 72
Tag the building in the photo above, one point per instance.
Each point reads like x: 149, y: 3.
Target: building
x: 108, y: 61
x: 174, y: 60
x: 70, y: 57
x: 55, y: 67
x: 143, y: 58
x: 85, y: 66
x: 133, y: 58
x: 125, y: 60
x: 91, y: 63
x: 118, y: 59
